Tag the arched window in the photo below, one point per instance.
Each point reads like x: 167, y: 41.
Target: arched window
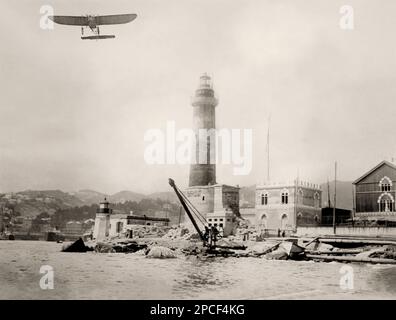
x: 263, y: 221
x: 285, y: 196
x: 385, y: 184
x: 386, y: 203
x: 264, y: 199
x: 283, y: 221
x: 299, y: 216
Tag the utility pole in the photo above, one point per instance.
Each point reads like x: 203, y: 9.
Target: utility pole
x: 296, y: 183
x: 328, y: 193
x: 335, y: 197
x: 353, y: 205
x: 268, y: 149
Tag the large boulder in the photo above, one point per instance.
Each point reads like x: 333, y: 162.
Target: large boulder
x: 227, y: 243
x: 278, y: 254
x: 77, y: 246
x: 128, y: 247
x: 160, y: 253
x: 104, y: 248
x: 261, y: 247
x: 383, y: 252
x: 319, y: 246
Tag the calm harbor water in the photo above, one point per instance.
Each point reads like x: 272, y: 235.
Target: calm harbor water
x: 131, y: 276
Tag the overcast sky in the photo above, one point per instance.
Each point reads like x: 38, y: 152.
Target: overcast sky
x: 73, y: 113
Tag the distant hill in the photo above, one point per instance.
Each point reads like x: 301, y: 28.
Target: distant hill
x: 66, y: 198
x: 62, y: 206
x: 89, y: 197
x: 124, y: 196
x: 32, y: 202
x: 344, y: 194
x: 165, y: 196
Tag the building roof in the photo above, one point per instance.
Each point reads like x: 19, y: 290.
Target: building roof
x: 337, y: 211
x: 298, y: 183
x: 76, y: 222
x: 119, y: 216
x: 147, y: 218
x: 390, y: 164
x: 105, y: 201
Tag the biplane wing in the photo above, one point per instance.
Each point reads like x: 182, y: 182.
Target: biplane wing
x: 115, y: 19
x: 70, y: 20
x: 93, y: 20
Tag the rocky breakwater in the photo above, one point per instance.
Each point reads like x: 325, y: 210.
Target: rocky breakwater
x: 361, y: 251
x: 124, y: 246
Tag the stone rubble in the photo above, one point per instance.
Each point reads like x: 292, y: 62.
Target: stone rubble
x: 179, y: 241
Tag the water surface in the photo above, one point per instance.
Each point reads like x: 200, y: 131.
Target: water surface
x: 131, y: 276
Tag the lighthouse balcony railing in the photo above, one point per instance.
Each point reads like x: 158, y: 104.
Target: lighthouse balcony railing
x: 202, y: 100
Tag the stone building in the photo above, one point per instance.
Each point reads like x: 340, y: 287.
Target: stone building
x: 286, y: 206
x: 109, y: 224
x: 218, y: 203
x: 375, y: 193
x: 121, y: 223
x: 73, y: 228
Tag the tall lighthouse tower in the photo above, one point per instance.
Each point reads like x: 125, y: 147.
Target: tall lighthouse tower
x: 204, y: 102
x: 218, y: 203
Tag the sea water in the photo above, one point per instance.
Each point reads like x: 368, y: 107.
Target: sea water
x: 133, y: 276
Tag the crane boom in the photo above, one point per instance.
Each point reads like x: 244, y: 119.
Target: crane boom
x: 187, y: 209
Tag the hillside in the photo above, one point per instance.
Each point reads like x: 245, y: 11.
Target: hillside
x: 52, y: 195
x: 31, y: 203
x: 89, y: 197
x: 123, y: 196
x: 164, y: 196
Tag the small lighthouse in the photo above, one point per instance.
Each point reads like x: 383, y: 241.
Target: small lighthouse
x: 102, y: 220
x: 204, y: 102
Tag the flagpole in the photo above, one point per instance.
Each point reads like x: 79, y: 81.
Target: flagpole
x: 268, y: 149
x: 335, y: 197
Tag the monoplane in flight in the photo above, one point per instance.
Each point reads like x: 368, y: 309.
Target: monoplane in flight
x: 93, y: 22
